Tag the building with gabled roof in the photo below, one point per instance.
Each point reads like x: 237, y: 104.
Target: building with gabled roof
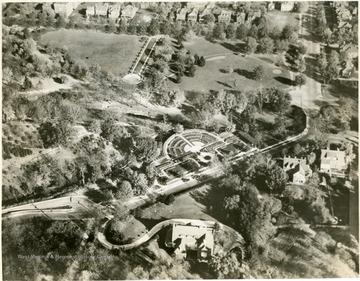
x: 191, y: 240
x: 193, y: 15
x: 181, y: 14
x: 114, y: 11
x: 224, y: 16
x: 334, y: 162
x: 101, y: 9
x: 297, y: 169
x: 128, y: 12
x: 90, y: 11
x: 65, y: 9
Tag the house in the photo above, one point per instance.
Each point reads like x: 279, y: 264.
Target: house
x: 114, y: 12
x: 181, y: 14
x: 224, y: 16
x: 193, y: 15
x: 65, y: 9
x: 128, y: 12
x: 296, y: 169
x: 191, y: 240
x: 285, y: 6
x: 206, y: 11
x: 240, y: 18
x: 90, y: 11
x: 334, y: 162
x: 270, y: 6
x: 101, y: 9
x: 257, y: 14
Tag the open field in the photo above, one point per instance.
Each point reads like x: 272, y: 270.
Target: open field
x: 214, y: 75
x: 114, y: 53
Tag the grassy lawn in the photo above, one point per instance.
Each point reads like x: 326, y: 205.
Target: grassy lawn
x: 279, y: 19
x: 184, y: 207
x: 114, y: 53
x: 214, y: 76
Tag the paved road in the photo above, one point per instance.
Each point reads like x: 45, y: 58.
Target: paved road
x: 58, y: 208
x: 102, y: 239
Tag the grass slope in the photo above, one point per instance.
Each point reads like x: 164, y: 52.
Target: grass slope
x: 114, y: 53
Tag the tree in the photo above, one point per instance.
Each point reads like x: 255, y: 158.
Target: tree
x: 231, y: 31
x: 202, y: 61
x: 61, y: 22
x: 302, y: 7
x: 322, y: 65
x: 300, y: 80
x: 241, y: 31
x: 332, y: 68
x: 266, y: 45
x: 191, y: 70
x: 289, y: 33
x: 165, y: 27
x: 124, y: 191
x: 219, y: 32
x: 41, y: 19
x: 259, y: 73
x: 209, y: 18
x: 27, y: 84
x: 251, y: 45
x: 111, y: 26
x: 253, y: 31
x: 327, y: 34
x: 281, y: 46
x: 154, y: 27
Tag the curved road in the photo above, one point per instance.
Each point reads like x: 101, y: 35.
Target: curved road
x: 102, y: 239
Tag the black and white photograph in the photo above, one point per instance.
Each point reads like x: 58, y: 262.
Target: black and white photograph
x: 179, y: 140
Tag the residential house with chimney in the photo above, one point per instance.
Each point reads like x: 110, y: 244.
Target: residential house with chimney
x: 192, y: 240
x: 128, y: 12
x: 65, y: 9
x: 240, y: 18
x: 193, y: 15
x: 101, y: 9
x: 224, y: 17
x: 296, y: 169
x: 90, y: 11
x: 181, y: 14
x: 114, y: 12
x: 334, y: 162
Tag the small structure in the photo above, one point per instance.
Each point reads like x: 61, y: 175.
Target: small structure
x: 240, y: 18
x: 65, y: 9
x: 192, y: 240
x: 285, y: 6
x: 270, y: 6
x: 297, y: 169
x: 181, y: 14
x: 128, y: 12
x: 193, y: 15
x: 101, y: 9
x: 90, y: 11
x: 114, y: 12
x: 334, y: 162
x: 224, y: 16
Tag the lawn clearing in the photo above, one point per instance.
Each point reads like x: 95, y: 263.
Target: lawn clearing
x: 184, y: 206
x: 279, y: 19
x: 114, y: 53
x: 214, y: 75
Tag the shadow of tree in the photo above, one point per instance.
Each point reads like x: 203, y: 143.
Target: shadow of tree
x: 284, y: 80
x: 246, y: 73
x: 224, y: 84
x: 238, y: 47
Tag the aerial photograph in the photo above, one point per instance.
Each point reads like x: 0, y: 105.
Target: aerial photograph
x: 179, y: 140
